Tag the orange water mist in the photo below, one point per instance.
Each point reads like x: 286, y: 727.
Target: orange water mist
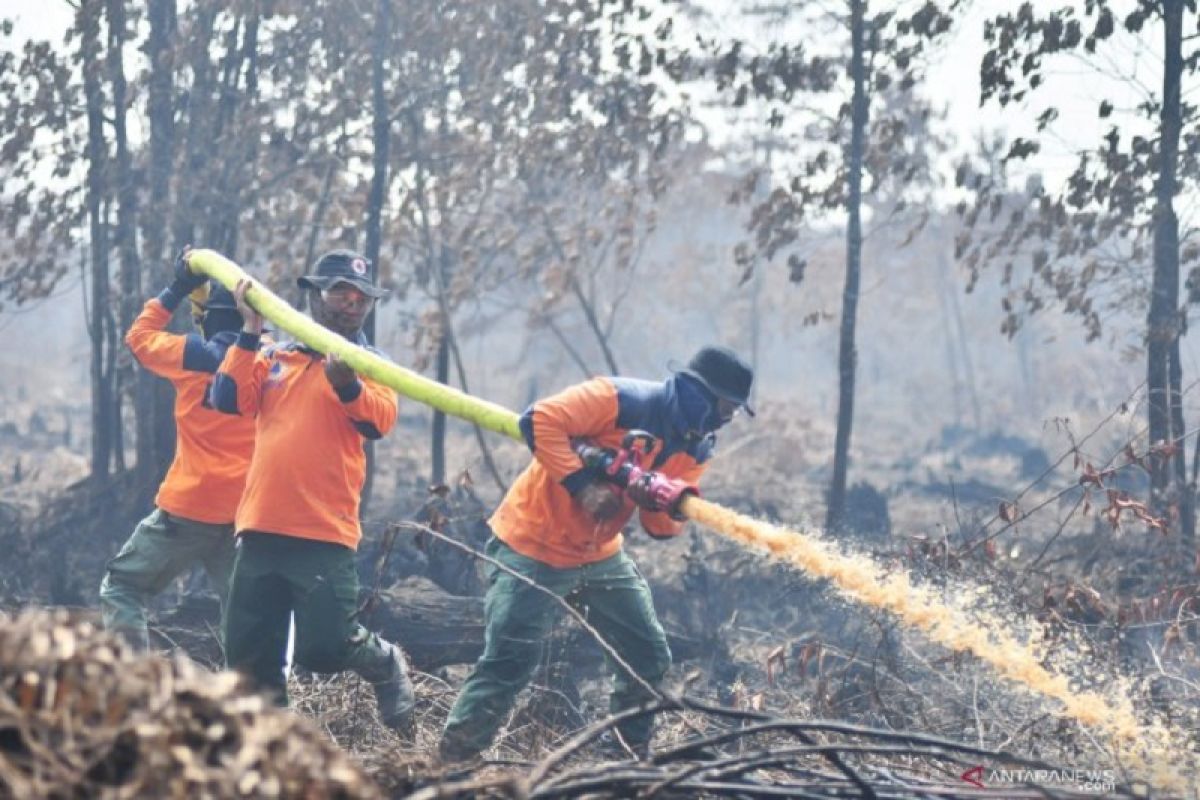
x: 1149, y: 750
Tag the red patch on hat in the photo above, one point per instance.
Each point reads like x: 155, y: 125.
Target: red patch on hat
x: 359, y: 266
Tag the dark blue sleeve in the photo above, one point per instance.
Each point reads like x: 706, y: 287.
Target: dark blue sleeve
x: 201, y: 356
x: 636, y: 403
x: 350, y: 392
x: 578, y: 479
x: 525, y: 423
x: 368, y: 430
x: 171, y: 297
x: 574, y: 482
x: 222, y: 394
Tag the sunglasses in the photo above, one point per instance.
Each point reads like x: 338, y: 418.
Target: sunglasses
x: 346, y: 298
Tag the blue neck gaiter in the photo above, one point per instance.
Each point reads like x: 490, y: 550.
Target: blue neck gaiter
x: 697, y: 408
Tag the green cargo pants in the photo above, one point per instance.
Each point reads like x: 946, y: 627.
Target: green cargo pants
x: 278, y: 577
x: 162, y: 547
x: 614, y: 597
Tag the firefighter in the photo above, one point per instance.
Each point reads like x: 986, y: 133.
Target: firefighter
x: 560, y: 526
x: 298, y: 522
x: 192, y: 520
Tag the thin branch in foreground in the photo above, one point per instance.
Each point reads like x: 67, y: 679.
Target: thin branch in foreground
x: 570, y: 609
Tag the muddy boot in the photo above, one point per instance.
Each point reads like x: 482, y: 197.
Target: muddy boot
x: 393, y: 690
x: 452, y: 751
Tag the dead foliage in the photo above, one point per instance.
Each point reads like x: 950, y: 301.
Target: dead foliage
x: 81, y: 715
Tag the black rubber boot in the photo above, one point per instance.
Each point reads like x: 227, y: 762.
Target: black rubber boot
x: 451, y: 751
x: 394, y: 691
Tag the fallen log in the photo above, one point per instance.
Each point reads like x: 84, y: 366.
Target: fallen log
x: 438, y: 629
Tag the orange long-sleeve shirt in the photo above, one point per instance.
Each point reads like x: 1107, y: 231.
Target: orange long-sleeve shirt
x: 306, y: 477
x: 212, y: 452
x: 539, y: 516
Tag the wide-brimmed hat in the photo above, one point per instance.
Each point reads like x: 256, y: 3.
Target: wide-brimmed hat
x: 342, y: 266
x: 722, y: 372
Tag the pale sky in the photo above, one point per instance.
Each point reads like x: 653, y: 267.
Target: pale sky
x: 952, y: 80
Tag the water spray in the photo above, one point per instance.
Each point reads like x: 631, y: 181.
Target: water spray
x: 1149, y: 750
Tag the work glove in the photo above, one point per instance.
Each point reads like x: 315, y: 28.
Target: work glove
x: 653, y: 491
x: 338, y: 372
x: 185, y: 281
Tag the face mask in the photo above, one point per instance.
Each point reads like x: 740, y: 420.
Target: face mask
x: 697, y: 407
x: 220, y: 320
x: 712, y: 421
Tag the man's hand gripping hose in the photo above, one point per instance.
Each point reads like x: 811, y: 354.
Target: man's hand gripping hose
x: 651, y: 490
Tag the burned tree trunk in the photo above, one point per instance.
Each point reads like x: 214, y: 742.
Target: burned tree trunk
x: 437, y: 445
x: 197, y: 129
x: 137, y: 382
x: 1164, y: 293
x: 381, y: 145
x: 160, y: 51
x: 88, y: 17
x: 847, y: 352
x: 1164, y: 373
x: 235, y: 129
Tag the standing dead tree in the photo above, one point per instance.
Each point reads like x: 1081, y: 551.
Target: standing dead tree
x: 843, y: 157
x: 1106, y: 241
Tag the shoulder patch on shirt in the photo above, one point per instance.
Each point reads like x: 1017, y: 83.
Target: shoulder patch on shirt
x: 275, y: 374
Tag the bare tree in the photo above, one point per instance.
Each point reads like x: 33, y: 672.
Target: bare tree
x: 1114, y: 218
x: 853, y: 153
x: 100, y: 324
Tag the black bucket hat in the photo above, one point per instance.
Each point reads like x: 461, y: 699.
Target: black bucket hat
x: 342, y: 266
x: 218, y: 313
x: 722, y: 372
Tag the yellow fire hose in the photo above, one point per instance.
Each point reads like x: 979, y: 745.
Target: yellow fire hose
x: 1152, y: 749
x: 405, y: 381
